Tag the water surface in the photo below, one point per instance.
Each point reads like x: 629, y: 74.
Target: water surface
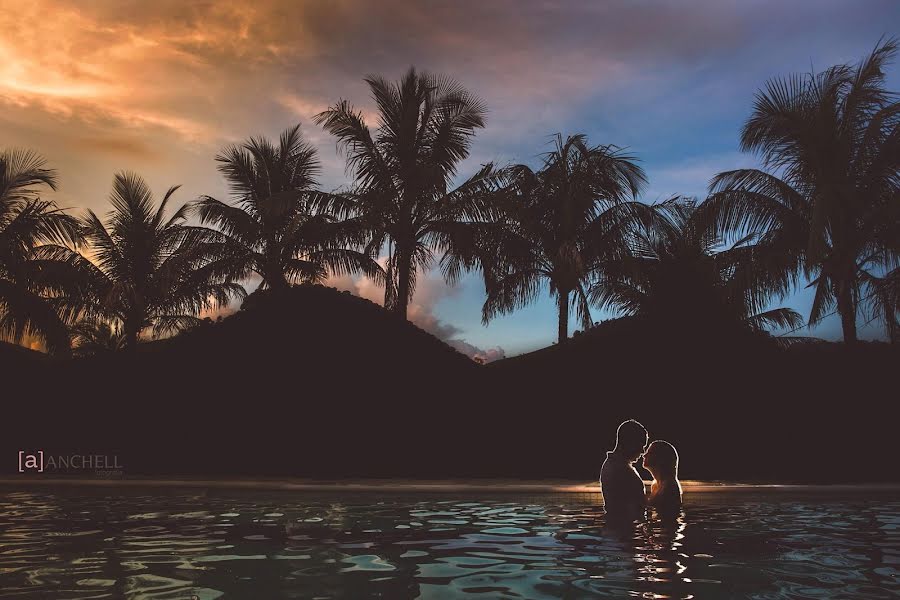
x: 73, y: 544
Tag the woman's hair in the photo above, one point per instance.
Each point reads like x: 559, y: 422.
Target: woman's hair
x: 663, y: 458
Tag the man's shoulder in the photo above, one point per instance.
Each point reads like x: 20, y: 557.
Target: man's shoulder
x: 612, y: 464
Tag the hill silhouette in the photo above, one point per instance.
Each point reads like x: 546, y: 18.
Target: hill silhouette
x: 14, y: 357
x: 328, y: 330
x: 314, y: 382
x: 307, y: 372
x: 737, y: 404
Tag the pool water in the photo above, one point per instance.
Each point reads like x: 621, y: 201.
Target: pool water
x: 170, y: 546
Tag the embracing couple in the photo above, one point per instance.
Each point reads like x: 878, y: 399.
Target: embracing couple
x: 622, y: 486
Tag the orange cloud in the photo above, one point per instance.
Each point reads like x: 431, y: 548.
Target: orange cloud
x: 173, y: 80
x: 164, y: 67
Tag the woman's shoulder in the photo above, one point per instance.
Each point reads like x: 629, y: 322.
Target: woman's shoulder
x: 673, y: 487
x: 665, y: 492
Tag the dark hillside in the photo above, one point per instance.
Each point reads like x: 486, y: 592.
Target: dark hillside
x: 319, y: 383
x: 312, y: 381
x: 736, y: 406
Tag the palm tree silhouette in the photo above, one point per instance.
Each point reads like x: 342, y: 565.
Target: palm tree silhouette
x: 404, y: 174
x: 884, y: 301
x: 281, y: 228
x: 91, y: 337
x: 29, y: 300
x: 676, y: 272
x: 832, y: 143
x: 147, y: 271
x: 557, y: 224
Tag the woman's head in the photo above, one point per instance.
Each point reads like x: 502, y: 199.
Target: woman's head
x: 661, y: 459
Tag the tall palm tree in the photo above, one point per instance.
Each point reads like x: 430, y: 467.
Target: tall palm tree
x: 281, y: 228
x: 556, y: 224
x: 28, y: 301
x: 677, y: 272
x: 146, y: 270
x: 404, y: 174
x: 831, y: 143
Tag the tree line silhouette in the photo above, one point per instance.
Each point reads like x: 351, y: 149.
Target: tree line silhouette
x: 824, y: 208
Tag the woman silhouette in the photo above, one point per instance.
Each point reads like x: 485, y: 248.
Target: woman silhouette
x: 661, y: 459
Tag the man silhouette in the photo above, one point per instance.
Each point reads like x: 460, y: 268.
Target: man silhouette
x: 620, y: 484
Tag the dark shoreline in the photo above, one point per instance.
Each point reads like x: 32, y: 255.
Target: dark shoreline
x: 393, y: 486
x: 325, y: 385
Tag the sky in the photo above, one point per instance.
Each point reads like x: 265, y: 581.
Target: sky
x: 160, y: 87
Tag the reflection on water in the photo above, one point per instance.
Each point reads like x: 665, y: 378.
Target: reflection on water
x: 282, y: 546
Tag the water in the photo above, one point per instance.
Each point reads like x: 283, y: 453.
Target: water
x: 74, y: 545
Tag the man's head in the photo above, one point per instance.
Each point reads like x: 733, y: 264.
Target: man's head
x: 631, y: 439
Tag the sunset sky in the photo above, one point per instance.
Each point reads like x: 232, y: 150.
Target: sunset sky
x: 159, y: 87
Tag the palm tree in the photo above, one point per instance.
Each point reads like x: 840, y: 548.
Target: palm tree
x: 28, y: 301
x: 94, y: 337
x: 884, y: 302
x: 404, y: 174
x: 281, y: 228
x: 831, y: 142
x: 676, y: 272
x: 555, y: 225
x: 147, y: 271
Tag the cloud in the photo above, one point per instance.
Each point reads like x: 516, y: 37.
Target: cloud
x: 430, y: 290
x: 120, y: 146
x: 160, y: 87
x: 219, y: 312
x: 483, y: 356
x: 187, y: 77
x: 691, y: 176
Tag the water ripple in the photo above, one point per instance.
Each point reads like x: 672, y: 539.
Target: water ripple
x: 89, y: 546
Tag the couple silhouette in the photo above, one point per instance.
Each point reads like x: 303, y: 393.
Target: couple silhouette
x: 624, y: 496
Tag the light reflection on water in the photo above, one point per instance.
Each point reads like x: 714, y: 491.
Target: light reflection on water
x: 64, y: 545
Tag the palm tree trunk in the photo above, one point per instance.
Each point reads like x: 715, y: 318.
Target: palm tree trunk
x: 274, y: 276
x: 134, y: 319
x: 389, y: 278
x: 388, y: 296
x: 131, y: 337
x: 847, y: 310
x: 563, y: 316
x: 278, y: 284
x: 404, y: 266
